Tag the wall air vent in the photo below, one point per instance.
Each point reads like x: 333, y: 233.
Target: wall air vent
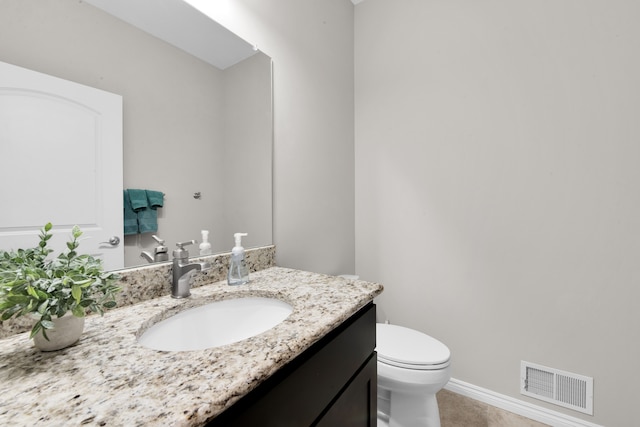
x: 558, y: 387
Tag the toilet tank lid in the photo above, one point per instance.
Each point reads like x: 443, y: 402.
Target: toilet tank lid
x: 404, y: 345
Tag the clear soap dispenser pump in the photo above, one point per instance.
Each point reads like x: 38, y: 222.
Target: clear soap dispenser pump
x: 205, y: 246
x: 238, y: 270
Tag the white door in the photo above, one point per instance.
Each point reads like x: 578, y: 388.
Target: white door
x: 60, y: 162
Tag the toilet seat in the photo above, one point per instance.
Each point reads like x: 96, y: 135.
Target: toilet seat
x: 410, y: 349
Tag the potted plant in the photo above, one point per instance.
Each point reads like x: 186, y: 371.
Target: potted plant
x: 50, y: 288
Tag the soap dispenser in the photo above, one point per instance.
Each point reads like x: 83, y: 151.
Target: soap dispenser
x: 205, y: 246
x: 238, y: 270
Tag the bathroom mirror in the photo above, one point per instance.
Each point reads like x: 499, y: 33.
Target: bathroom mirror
x: 199, y: 133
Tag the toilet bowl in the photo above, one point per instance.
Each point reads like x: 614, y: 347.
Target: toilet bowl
x: 412, y: 368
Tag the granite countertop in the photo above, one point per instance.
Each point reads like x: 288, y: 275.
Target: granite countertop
x: 107, y: 379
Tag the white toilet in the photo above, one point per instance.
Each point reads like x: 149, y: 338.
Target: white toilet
x: 412, y: 368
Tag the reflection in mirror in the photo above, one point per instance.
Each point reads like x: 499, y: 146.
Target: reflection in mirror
x: 189, y: 127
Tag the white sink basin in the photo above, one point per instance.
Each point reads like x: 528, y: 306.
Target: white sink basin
x: 215, y: 324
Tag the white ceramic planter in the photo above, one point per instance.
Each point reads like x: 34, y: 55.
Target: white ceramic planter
x: 66, y: 332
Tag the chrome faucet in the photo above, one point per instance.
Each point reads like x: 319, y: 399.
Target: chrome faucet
x: 159, y: 252
x: 183, y: 270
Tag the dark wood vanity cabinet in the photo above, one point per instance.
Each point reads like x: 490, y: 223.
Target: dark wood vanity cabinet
x: 331, y: 384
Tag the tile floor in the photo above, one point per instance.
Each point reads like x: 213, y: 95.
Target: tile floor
x: 460, y: 411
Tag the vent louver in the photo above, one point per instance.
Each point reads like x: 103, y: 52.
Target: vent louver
x: 558, y: 387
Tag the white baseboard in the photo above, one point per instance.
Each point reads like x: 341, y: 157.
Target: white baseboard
x: 525, y: 409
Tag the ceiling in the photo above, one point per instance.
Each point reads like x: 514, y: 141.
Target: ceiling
x: 182, y: 25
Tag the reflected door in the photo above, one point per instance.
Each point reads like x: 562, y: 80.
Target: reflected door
x: 61, y: 157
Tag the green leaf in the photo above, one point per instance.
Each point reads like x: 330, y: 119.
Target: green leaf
x: 82, y: 282
x: 7, y: 314
x: 30, y: 307
x: 109, y: 304
x: 31, y: 291
x: 78, y: 311
x: 62, y: 309
x: 36, y: 328
x: 47, y: 324
x: 43, y: 306
x: 76, y: 293
x: 18, y: 299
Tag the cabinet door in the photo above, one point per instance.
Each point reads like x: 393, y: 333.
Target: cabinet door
x: 356, y: 406
x: 299, y: 394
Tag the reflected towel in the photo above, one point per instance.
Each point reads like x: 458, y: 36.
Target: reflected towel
x: 138, y: 199
x: 148, y: 218
x: 143, y: 204
x: 155, y: 199
x: 130, y: 217
x: 147, y: 221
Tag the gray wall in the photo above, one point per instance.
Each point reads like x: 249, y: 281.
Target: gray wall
x: 311, y: 44
x: 248, y: 151
x: 497, y: 185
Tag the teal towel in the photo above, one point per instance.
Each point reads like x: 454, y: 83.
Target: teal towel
x: 148, y: 218
x: 143, y: 205
x: 130, y: 217
x: 155, y: 198
x: 138, y: 199
x: 147, y: 221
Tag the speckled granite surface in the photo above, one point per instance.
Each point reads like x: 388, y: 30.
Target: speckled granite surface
x: 107, y: 379
x: 152, y: 281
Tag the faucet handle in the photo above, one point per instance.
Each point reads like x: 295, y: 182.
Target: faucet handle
x: 160, y: 249
x: 181, y: 252
x: 181, y: 245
